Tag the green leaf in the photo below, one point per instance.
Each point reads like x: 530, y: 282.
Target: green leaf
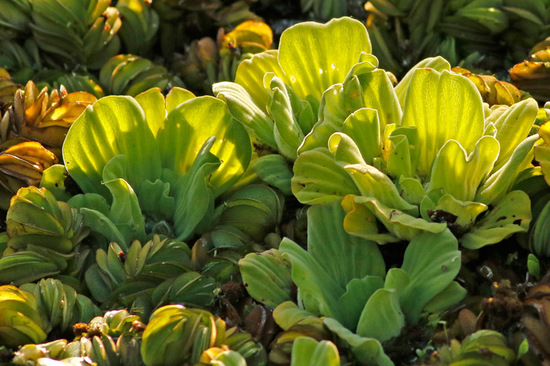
x: 244, y: 110
x: 363, y: 127
x: 452, y: 161
x: 466, y: 212
x: 399, y: 163
x: 275, y: 171
x: 92, y: 201
x: 318, y: 291
x: 451, y: 295
x: 411, y: 190
x: 53, y: 179
x: 343, y: 256
x: 511, y: 215
x: 401, y: 226
x: 378, y: 93
x: 319, y: 179
x: 442, y: 106
x: 154, y: 198
x: 431, y: 269
x: 185, y: 132
x: 114, y: 125
x: 513, y: 127
x: 345, y: 149
x: 176, y: 96
x: 368, y: 350
x: 315, y: 56
x: 228, y: 358
x: 125, y: 211
x: 498, y: 183
x: 373, y: 183
x: 541, y: 232
x: 287, y: 314
x: 306, y: 351
x: 340, y: 264
x: 193, y: 193
x: 358, y: 292
x: 337, y: 103
x: 437, y: 63
x: 382, y: 317
x: 250, y: 75
x: 287, y: 132
x: 266, y: 277
x: 152, y: 103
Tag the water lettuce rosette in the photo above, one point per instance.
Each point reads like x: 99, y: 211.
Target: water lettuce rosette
x: 153, y: 164
x: 442, y: 160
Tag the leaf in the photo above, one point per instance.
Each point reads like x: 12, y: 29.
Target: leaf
x: 193, y: 193
x: 155, y: 198
x: 266, y: 277
x: 452, y: 161
x: 244, y: 110
x: 466, y: 212
x: 373, y: 183
x: 437, y: 63
x: 511, y: 215
x: 343, y: 256
x: 275, y: 171
x: 442, y: 106
x: 336, y: 104
x: 114, y: 125
x: 287, y: 132
x: 250, y: 75
x: 306, y: 351
x: 541, y: 232
x: 378, y: 93
x: 152, y: 103
x: 335, y: 266
x: 542, y: 152
x: 498, y: 183
x: 345, y: 149
x: 318, y: 291
x: 315, y: 56
x: 399, y: 163
x: 125, y: 211
x: 53, y: 179
x: 368, y: 350
x: 288, y: 314
x: 401, y: 226
x: 361, y: 222
x: 513, y: 126
x: 451, y: 295
x: 176, y: 96
x: 358, y: 292
x: 319, y: 179
x: 382, y: 318
x: 185, y: 132
x: 363, y: 127
x: 102, y: 224
x: 432, y: 261
x: 92, y: 201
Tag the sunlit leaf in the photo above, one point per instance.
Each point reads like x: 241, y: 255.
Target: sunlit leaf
x: 189, y: 126
x: 114, y: 125
x: 442, y: 106
x: 315, y: 56
x: 452, y: 161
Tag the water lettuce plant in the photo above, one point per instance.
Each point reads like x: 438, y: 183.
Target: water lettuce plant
x: 328, y: 107
x: 440, y: 161
x: 276, y: 93
x: 153, y: 164
x: 343, y: 278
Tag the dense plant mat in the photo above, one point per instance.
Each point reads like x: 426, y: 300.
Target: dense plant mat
x: 177, y: 196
